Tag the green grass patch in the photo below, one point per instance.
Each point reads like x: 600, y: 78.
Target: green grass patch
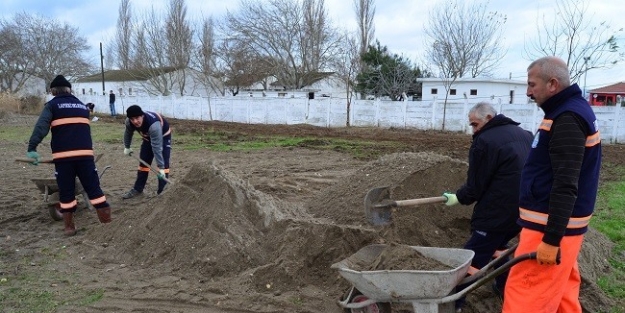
x: 91, y: 297
x: 609, y: 219
x: 210, y: 139
x: 227, y: 141
x: 25, y: 300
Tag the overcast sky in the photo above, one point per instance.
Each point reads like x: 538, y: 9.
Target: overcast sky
x: 398, y: 24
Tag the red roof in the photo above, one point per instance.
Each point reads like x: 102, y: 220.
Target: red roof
x: 618, y: 88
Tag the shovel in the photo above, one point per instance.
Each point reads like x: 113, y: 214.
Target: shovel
x: 379, y: 207
x: 29, y: 160
x: 151, y: 168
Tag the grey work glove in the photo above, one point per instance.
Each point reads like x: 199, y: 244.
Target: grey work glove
x: 451, y: 198
x: 161, y: 174
x: 33, y: 155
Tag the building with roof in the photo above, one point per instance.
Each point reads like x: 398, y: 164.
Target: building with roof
x: 314, y: 85
x: 608, y: 95
x: 475, y: 90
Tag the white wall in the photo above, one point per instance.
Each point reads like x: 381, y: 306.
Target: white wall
x: 332, y: 112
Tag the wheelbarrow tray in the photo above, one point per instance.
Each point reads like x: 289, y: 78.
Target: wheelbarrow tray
x: 404, y: 285
x: 50, y: 183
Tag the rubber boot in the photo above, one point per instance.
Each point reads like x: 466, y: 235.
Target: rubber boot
x: 68, y: 220
x: 104, y: 214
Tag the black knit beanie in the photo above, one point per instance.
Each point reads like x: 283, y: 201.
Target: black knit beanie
x: 60, y: 81
x: 134, y: 111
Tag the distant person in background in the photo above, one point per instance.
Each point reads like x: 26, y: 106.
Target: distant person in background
x: 496, y: 158
x: 90, y: 106
x: 112, y: 103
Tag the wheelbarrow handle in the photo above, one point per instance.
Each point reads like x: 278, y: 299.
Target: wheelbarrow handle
x: 29, y: 160
x: 49, y: 161
x: 479, y: 279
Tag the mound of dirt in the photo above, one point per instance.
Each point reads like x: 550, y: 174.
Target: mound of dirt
x: 401, y: 257
x: 259, y: 253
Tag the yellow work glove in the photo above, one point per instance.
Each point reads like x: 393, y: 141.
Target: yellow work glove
x: 547, y: 254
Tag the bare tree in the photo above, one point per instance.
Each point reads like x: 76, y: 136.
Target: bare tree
x: 123, y: 36
x: 40, y: 47
x: 469, y: 35
x: 240, y: 67
x: 365, y: 11
x: 295, y: 38
x: 15, y: 64
x: 442, y: 55
x: 574, y: 36
x: 463, y: 40
x: 346, y: 66
x: 162, y: 49
x: 179, y: 40
x: 203, y: 58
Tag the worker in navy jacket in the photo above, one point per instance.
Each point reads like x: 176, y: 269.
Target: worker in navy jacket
x: 156, y: 144
x: 72, y: 151
x: 496, y: 158
x: 558, y: 191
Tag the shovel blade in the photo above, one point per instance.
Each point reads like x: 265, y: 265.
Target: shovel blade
x: 376, y: 213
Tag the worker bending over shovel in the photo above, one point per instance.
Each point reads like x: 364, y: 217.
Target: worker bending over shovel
x: 496, y: 158
x: 156, y: 135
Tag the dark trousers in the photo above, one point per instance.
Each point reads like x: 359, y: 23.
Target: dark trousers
x: 146, y: 154
x: 485, y: 244
x: 66, y: 173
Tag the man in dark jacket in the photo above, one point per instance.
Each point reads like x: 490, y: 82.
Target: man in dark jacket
x: 496, y: 158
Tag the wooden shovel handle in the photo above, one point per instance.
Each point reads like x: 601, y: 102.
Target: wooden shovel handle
x: 412, y: 202
x: 28, y: 160
x: 150, y: 167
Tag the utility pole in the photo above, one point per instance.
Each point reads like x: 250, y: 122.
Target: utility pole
x: 586, y: 59
x: 102, y: 70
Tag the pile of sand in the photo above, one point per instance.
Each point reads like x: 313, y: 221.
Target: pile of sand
x: 211, y: 225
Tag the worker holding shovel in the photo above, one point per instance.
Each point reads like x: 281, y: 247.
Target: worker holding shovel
x: 72, y: 151
x: 156, y: 135
x: 496, y: 157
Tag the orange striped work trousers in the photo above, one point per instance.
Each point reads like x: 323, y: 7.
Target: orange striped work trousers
x: 544, y: 288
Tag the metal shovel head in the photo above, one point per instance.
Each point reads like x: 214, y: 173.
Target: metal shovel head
x: 376, y: 212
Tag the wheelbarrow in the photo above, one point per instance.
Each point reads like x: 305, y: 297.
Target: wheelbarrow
x: 426, y: 291
x: 50, y: 191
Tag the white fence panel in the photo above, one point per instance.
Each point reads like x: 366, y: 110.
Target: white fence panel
x: 364, y: 113
x: 332, y: 112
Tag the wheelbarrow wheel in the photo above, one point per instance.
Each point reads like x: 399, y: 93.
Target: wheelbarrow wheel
x: 378, y: 307
x: 55, y: 213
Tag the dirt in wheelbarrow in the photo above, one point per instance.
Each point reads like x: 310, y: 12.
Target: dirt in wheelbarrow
x: 240, y: 231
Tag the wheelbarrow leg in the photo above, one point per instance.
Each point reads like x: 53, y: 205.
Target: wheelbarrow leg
x: 420, y: 307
